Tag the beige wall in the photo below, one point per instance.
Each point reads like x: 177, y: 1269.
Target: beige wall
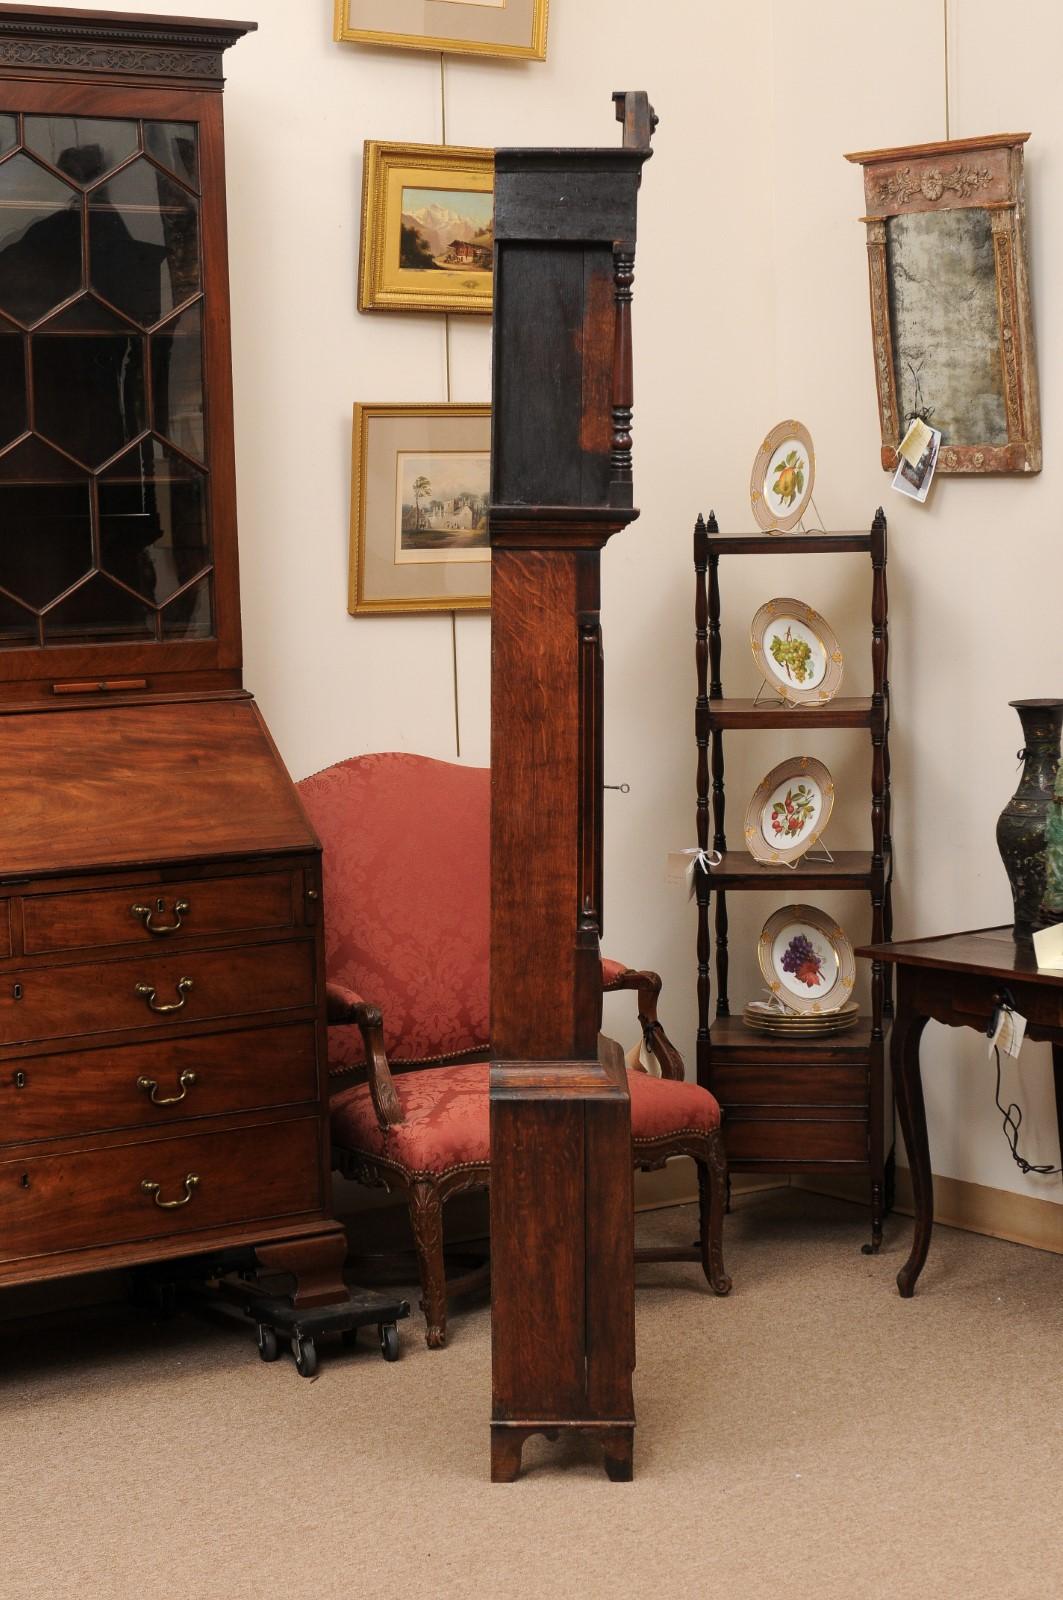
x: 751, y: 304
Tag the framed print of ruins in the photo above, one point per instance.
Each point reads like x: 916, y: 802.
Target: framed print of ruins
x: 420, y: 484
x: 950, y: 300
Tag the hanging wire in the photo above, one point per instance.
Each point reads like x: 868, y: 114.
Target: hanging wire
x: 446, y: 353
x: 948, y: 134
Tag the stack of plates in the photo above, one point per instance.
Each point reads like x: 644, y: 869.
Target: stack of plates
x: 763, y: 1018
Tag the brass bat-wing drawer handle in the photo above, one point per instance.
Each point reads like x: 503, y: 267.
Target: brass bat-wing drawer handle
x: 145, y: 913
x: 145, y: 989
x: 170, y: 1205
x: 151, y: 1089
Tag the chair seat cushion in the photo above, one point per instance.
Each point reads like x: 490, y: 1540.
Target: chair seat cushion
x: 447, y: 1126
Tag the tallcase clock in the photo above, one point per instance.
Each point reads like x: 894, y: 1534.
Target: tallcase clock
x: 162, y: 1076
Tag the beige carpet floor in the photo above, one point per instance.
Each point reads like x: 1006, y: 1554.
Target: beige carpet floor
x: 812, y: 1437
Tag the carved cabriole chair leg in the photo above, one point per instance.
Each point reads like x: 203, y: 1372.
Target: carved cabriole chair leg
x: 426, y: 1219
x: 712, y: 1200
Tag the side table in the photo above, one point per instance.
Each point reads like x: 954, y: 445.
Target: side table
x: 959, y: 979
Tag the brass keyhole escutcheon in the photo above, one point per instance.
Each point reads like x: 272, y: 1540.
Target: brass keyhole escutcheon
x: 24, y: 1181
x: 20, y: 1080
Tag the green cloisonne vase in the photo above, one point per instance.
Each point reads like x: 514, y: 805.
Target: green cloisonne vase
x: 1021, y: 829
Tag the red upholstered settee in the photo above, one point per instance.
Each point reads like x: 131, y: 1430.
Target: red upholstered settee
x: 407, y: 912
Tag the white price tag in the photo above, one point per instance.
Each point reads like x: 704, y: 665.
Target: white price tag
x: 682, y: 866
x: 1048, y: 948
x: 1009, y: 1032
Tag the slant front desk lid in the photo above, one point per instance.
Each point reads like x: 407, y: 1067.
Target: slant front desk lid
x: 124, y: 785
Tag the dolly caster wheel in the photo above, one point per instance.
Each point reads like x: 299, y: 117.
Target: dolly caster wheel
x: 389, y: 1342
x: 268, y: 1347
x: 305, y: 1353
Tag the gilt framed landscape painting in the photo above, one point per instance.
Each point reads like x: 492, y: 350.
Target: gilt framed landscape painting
x: 420, y: 483
x: 515, y: 28
x: 427, y: 228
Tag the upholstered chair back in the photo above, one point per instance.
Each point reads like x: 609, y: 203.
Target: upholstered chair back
x: 407, y: 900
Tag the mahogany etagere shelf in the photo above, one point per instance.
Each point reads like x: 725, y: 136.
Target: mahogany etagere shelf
x: 808, y: 1106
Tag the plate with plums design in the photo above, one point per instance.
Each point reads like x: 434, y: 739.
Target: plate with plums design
x: 806, y: 959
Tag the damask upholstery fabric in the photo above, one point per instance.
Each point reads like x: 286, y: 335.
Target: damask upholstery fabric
x: 447, y: 1114
x: 407, y: 901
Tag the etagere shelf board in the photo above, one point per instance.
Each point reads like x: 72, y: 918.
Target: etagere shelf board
x: 163, y: 1079
x: 808, y: 1105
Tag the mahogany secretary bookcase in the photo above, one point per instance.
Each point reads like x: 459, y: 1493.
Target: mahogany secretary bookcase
x: 162, y: 1028
x: 808, y: 1106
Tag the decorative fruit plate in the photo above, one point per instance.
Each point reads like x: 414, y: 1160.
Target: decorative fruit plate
x: 797, y: 652
x: 768, y: 1019
x: 807, y: 960
x: 780, y: 486
x: 789, y: 811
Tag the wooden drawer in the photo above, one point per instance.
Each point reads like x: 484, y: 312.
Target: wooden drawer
x: 796, y: 1141
x: 5, y: 928
x: 91, y: 918
x: 101, y: 997
x: 56, y: 1096
x: 780, y: 1085
x: 96, y: 1197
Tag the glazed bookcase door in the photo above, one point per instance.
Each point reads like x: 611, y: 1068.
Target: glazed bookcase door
x: 117, y: 501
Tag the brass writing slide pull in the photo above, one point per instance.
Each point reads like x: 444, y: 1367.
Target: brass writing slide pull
x: 161, y: 929
x: 154, y: 1189
x: 151, y: 1089
x: 145, y: 989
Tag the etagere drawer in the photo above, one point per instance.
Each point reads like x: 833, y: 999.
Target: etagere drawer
x: 798, y: 1140
x: 118, y: 1194
x: 153, y: 912
x: 147, y: 1085
x: 773, y: 1084
x: 152, y: 990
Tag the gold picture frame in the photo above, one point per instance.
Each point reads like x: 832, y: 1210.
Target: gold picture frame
x: 509, y: 28
x: 951, y: 314
x: 427, y: 228
x: 428, y: 553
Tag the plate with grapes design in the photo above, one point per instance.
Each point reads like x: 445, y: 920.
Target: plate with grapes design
x: 780, y: 486
x: 807, y: 959
x: 789, y: 811
x: 797, y: 652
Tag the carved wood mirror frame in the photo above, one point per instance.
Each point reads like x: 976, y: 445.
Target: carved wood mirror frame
x: 980, y: 182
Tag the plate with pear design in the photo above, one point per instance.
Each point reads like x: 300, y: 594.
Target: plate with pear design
x: 789, y: 811
x: 806, y: 959
x: 780, y: 486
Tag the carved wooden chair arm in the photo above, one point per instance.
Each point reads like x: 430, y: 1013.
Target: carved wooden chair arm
x: 647, y: 985
x: 344, y: 1007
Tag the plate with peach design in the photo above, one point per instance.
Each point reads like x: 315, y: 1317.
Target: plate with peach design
x: 789, y: 811
x: 806, y: 959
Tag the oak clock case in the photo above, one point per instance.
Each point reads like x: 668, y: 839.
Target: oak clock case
x: 162, y: 1063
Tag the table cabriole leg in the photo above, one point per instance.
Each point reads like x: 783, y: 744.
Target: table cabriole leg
x: 911, y: 1109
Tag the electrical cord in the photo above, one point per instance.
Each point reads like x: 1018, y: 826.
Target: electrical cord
x: 1012, y: 1122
